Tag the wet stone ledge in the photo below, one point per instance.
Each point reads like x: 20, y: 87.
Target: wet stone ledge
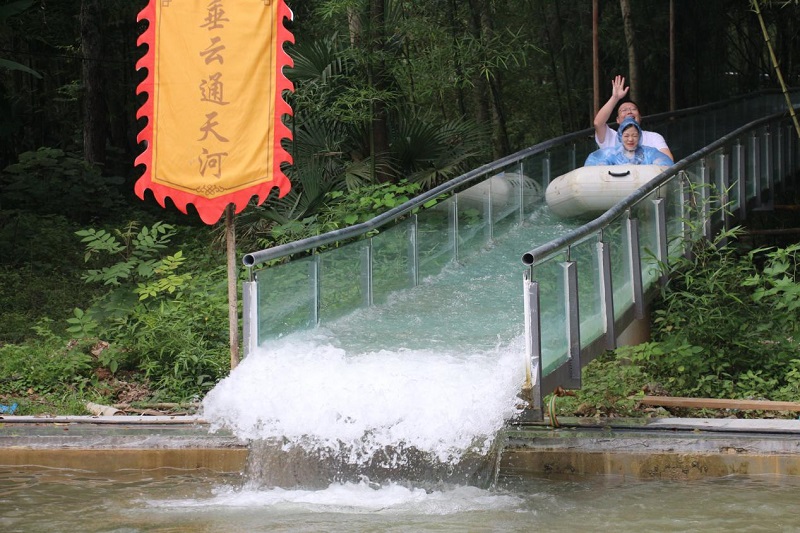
x: 107, y: 444
x: 675, y: 449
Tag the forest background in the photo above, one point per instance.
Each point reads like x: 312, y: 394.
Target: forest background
x: 106, y: 297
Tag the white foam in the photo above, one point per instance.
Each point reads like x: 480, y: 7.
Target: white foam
x: 307, y: 391
x: 356, y: 498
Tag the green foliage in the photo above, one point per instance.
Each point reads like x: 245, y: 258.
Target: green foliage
x: 723, y: 328
x: 708, y: 305
x: 178, y: 341
x: 489, y: 56
x: 610, y: 386
x: 40, y: 269
x: 45, y: 365
x: 367, y: 202
x: 152, y: 319
x: 778, y: 281
x: 52, y: 181
x: 674, y: 364
x: 27, y: 294
x: 345, y: 208
x: 81, y: 324
x: 181, y: 347
x: 41, y: 242
x: 139, y: 261
x: 8, y: 10
x: 430, y: 153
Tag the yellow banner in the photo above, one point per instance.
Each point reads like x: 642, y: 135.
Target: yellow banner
x: 214, y: 84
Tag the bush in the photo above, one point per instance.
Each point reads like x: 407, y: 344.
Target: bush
x: 48, y: 364
x: 48, y: 173
x: 724, y: 327
x: 162, y: 319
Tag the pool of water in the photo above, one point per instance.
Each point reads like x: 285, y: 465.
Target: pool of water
x: 35, y: 500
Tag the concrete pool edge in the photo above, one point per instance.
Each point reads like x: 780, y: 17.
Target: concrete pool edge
x: 112, y: 443
x: 665, y: 448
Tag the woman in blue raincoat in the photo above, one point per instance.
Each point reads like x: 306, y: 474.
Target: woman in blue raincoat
x: 629, y: 150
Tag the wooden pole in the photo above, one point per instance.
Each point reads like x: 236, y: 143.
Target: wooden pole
x: 672, y: 82
x: 718, y: 403
x: 233, y: 294
x: 777, y: 67
x: 595, y: 57
x: 630, y: 42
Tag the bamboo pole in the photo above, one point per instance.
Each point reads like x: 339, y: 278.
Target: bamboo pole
x: 774, y: 60
x: 595, y: 57
x: 672, y: 83
x: 717, y: 403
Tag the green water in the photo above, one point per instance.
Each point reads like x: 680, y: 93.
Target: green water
x: 169, y: 501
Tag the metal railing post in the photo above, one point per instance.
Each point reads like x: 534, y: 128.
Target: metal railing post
x: 607, y: 295
x: 573, y: 156
x: 737, y: 153
x: 572, y: 321
x: 723, y: 176
x: 316, y: 288
x: 454, y: 225
x: 521, y: 170
x: 533, y: 342
x: 366, y: 274
x: 250, y: 315
x: 546, y: 176
x: 687, y: 200
x: 490, y: 208
x: 768, y: 187
x: 705, y: 200
x: 662, y: 246
x: 413, y: 246
x: 754, y: 167
x: 780, y: 170
x: 635, y: 265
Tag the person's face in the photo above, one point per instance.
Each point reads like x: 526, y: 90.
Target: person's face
x: 628, y: 109
x: 630, y: 138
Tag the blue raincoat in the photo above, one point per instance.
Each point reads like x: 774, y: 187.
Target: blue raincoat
x: 643, y: 155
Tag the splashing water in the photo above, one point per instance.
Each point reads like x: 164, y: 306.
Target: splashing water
x: 435, y: 371
x: 311, y: 393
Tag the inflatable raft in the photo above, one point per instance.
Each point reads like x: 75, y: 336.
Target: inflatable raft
x: 595, y: 189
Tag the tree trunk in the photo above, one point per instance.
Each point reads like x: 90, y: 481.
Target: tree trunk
x: 451, y: 15
x: 379, y: 131
x: 354, y: 26
x: 596, y: 57
x: 95, y: 113
x: 672, y: 82
x: 552, y: 51
x: 500, y: 143
x: 566, y: 68
x: 630, y: 41
x: 480, y: 87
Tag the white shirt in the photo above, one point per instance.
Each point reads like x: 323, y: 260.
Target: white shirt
x: 649, y: 138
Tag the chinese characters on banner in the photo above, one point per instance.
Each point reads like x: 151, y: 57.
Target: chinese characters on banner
x: 214, y: 103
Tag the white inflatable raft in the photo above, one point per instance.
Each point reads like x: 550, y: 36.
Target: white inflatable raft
x: 596, y: 189
x: 502, y: 189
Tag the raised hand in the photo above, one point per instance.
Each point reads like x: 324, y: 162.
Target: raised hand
x: 618, y: 89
